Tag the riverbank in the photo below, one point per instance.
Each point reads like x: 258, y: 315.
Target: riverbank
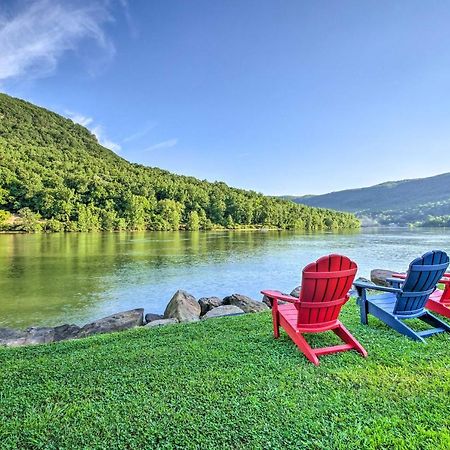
x: 226, y: 383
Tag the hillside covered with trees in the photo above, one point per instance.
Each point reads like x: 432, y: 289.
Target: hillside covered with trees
x: 420, y: 202
x: 55, y: 176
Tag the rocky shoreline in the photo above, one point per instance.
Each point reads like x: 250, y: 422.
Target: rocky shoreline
x: 183, y: 307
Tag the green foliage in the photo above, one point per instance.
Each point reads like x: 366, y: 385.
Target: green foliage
x: 193, y: 221
x: 4, y: 216
x: 30, y: 221
x: 53, y: 225
x: 57, y: 170
x: 227, y: 384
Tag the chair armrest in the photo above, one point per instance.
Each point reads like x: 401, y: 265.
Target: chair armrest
x: 395, y: 281
x: 375, y: 287
x: 399, y: 275
x: 277, y: 295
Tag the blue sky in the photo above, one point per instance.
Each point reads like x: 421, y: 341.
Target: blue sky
x: 282, y: 97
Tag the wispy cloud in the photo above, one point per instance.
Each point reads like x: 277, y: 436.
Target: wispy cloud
x: 128, y: 18
x: 33, y: 39
x: 164, y: 144
x: 97, y: 130
x: 104, y: 140
x: 79, y: 118
x: 141, y: 133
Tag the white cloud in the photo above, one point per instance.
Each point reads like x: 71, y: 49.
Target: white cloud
x: 79, y: 118
x: 164, y: 144
x: 97, y: 130
x: 34, y: 38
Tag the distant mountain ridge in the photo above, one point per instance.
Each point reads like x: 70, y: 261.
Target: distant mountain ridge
x: 421, y: 201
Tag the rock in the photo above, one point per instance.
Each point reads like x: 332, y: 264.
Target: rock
x: 222, y: 311
x: 296, y: 292
x: 245, y: 303
x: 266, y: 301
x: 12, y: 338
x: 161, y: 322
x: 64, y: 332
x: 378, y: 276
x: 354, y: 291
x: 39, y: 335
x: 116, y: 322
x: 208, y: 303
x: 150, y: 317
x: 183, y: 307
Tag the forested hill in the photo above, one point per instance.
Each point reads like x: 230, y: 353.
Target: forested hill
x: 55, y: 176
x: 423, y: 201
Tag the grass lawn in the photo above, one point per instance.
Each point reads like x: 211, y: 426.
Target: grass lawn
x: 225, y: 383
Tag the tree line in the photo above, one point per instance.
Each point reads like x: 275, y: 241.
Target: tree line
x: 54, y: 176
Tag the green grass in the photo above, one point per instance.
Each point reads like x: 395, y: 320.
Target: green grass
x: 226, y: 384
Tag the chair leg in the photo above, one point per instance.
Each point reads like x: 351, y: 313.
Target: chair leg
x: 348, y: 338
x: 305, y: 348
x: 363, y: 310
x: 434, y: 321
x: 276, y: 323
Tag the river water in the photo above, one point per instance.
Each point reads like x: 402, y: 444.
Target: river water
x: 50, y: 279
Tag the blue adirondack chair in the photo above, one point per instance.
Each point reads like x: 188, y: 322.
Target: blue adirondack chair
x: 406, y: 298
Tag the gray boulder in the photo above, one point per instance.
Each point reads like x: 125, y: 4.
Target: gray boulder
x: 183, y: 307
x: 354, y: 291
x: 296, y: 292
x: 150, y: 317
x: 161, y: 322
x: 222, y: 311
x: 378, y: 276
x: 39, y: 335
x: 66, y: 331
x: 10, y: 337
x: 208, y: 303
x: 247, y: 304
x: 266, y: 300
x: 116, y: 322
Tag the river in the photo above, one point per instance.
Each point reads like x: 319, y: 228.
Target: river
x: 50, y: 279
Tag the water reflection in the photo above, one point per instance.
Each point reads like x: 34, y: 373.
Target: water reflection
x: 55, y: 278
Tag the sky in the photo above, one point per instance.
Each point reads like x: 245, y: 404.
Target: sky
x: 281, y: 97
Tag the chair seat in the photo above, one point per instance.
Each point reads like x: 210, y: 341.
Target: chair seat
x: 436, y: 296
x: 384, y: 301
x: 387, y: 302
x: 289, y: 313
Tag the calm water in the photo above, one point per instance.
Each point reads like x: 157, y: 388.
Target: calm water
x: 74, y: 278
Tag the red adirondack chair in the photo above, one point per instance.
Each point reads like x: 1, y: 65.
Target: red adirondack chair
x: 324, y: 291
x: 439, y: 301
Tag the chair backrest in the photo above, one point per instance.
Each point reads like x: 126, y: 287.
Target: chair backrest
x: 325, y: 287
x: 445, y: 298
x: 420, y: 282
